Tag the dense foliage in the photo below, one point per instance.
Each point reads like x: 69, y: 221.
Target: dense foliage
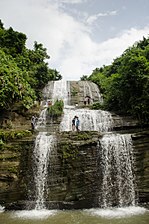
x: 56, y: 109
x: 125, y: 83
x: 23, y: 72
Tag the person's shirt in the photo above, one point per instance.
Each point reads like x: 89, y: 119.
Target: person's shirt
x: 77, y: 122
x: 73, y: 121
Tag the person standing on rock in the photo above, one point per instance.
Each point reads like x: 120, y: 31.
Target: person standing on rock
x: 89, y: 100
x: 33, y: 120
x: 85, y: 101
x: 74, y: 123
x: 77, y: 124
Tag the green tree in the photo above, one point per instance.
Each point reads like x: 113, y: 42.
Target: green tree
x: 12, y: 42
x: 125, y: 83
x: 13, y: 87
x: 23, y: 72
x: 84, y: 78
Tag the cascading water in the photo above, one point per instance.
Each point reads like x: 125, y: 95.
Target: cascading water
x: 41, y: 159
x: 90, y: 120
x: 116, y: 173
x: 91, y: 89
x: 117, y: 187
x: 61, y: 91
x: 42, y: 119
x: 96, y: 92
x: 44, y: 144
x: 116, y: 158
x: 87, y: 90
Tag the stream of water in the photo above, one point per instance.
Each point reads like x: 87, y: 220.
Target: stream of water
x: 118, y: 182
x: 41, y: 158
x: 90, y: 120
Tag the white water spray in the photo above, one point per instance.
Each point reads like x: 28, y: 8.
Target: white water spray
x: 60, y: 91
x: 42, y: 119
x: 91, y: 89
x: 44, y: 144
x: 41, y: 159
x: 90, y: 120
x: 117, y: 170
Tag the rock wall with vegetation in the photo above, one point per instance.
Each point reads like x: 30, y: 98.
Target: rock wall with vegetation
x: 13, y: 157
x: 73, y: 176
x: 141, y: 153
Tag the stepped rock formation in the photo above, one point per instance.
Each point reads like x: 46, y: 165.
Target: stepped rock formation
x: 73, y: 179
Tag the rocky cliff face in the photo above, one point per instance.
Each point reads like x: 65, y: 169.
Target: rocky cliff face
x: 75, y: 177
x: 73, y: 174
x: 141, y: 153
x: 13, y: 169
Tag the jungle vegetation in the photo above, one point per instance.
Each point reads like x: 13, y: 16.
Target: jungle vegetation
x: 23, y: 72
x: 125, y: 83
x: 56, y: 109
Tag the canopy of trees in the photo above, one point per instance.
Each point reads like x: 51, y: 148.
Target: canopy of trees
x: 125, y: 83
x: 23, y: 72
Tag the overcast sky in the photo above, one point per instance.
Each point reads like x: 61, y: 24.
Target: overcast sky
x: 80, y: 35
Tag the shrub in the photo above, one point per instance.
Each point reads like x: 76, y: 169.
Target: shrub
x: 56, y: 109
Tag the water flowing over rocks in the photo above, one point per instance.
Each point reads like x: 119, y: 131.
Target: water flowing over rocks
x: 73, y: 177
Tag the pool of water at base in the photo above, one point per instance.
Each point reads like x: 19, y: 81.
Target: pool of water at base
x: 128, y: 215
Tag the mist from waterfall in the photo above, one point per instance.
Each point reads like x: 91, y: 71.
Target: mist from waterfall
x: 116, y: 163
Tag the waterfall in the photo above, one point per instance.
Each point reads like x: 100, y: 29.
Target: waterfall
x: 92, y: 90
x: 90, y: 120
x: 44, y: 145
x: 60, y: 91
x: 116, y: 162
x: 42, y: 119
x: 41, y: 159
x: 96, y: 92
x: 68, y: 93
x: 87, y: 89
